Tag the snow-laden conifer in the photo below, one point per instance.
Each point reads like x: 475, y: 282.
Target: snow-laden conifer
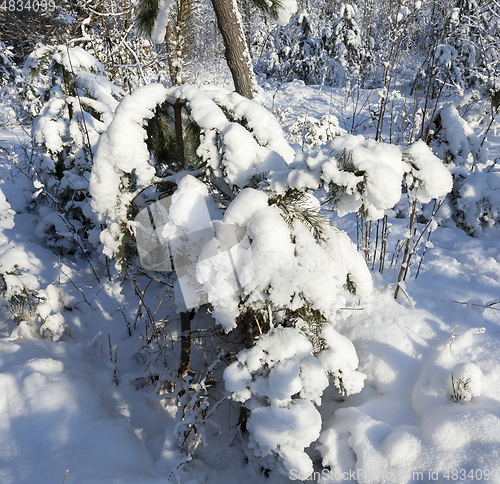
x: 475, y: 201
x: 295, y: 270
x: 77, y: 105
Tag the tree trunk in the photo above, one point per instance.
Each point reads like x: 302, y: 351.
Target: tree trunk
x: 236, y: 53
x: 185, y: 344
x: 179, y: 39
x: 249, y: 340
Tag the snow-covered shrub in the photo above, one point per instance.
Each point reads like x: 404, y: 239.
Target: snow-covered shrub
x: 78, y: 104
x: 264, y: 378
x: 361, y: 175
x: 227, y: 158
x: 465, y: 382
x: 427, y: 178
x: 475, y: 199
x: 18, y: 288
x: 310, y: 131
x: 340, y: 361
x: 6, y: 217
x: 10, y: 105
x: 34, y: 310
x: 52, y: 321
x: 440, y: 70
x: 454, y: 141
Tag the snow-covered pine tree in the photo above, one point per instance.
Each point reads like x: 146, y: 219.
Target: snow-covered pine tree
x: 345, y: 41
x: 77, y: 104
x: 306, y: 58
x: 210, y: 119
x: 7, y: 70
x: 326, y: 43
x: 299, y: 51
x: 223, y: 154
x: 294, y: 270
x: 9, y: 90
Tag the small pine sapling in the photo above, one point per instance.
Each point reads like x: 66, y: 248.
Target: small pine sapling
x: 476, y: 182
x: 77, y: 105
x: 460, y: 389
x: 191, y: 150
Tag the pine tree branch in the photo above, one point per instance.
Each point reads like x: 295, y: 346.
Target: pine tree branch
x: 272, y: 8
x: 147, y: 13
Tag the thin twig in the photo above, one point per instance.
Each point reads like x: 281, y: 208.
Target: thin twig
x: 73, y: 284
x: 405, y: 293
x: 452, y: 339
x: 80, y: 103
x: 64, y: 219
x: 477, y: 305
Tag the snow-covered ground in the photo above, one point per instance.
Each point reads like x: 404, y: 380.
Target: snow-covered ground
x: 66, y: 406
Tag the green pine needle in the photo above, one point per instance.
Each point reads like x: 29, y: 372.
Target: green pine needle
x: 294, y: 206
x: 147, y: 13
x: 272, y: 8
